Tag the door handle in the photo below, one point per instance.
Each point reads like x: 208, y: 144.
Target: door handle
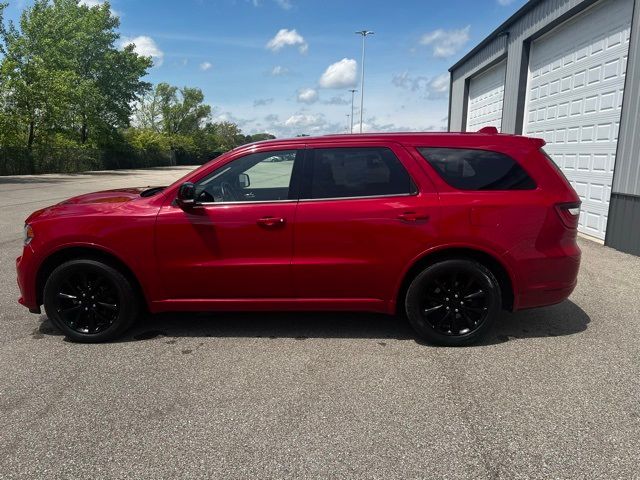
x: 271, y: 222
x: 413, y: 217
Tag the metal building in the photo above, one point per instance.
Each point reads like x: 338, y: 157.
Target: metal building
x: 567, y: 71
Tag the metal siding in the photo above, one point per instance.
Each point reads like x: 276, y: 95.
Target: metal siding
x: 456, y: 105
x: 486, y: 58
x: 623, y: 232
x: 626, y: 178
x: 530, y: 24
x: 576, y: 80
x: 484, y: 100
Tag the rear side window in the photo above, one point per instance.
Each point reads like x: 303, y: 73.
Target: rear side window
x: 470, y: 169
x: 356, y: 172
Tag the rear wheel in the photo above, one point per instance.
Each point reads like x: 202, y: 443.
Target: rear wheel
x: 90, y: 301
x: 453, y: 302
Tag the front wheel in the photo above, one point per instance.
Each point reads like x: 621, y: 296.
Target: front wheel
x: 453, y: 302
x: 90, y: 301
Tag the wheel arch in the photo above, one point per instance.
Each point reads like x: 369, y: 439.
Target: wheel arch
x: 500, y: 271
x: 76, y: 252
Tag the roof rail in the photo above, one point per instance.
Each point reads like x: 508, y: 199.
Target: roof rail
x: 490, y: 130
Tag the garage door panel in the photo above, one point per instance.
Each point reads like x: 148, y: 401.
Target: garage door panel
x: 486, y: 94
x: 574, y: 99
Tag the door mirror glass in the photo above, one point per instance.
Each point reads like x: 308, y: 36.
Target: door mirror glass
x: 186, y: 194
x: 243, y: 180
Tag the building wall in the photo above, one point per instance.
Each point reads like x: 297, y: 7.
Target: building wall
x: 540, y: 19
x: 487, y: 57
x: 626, y: 178
x: 537, y: 18
x: 623, y: 232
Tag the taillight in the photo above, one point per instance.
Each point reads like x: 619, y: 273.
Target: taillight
x: 569, y: 213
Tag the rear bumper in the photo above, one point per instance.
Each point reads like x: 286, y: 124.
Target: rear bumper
x: 26, y: 269
x: 544, y: 296
x: 548, y: 280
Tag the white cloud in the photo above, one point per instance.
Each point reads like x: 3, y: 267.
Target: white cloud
x: 307, y: 95
x: 341, y: 74
x: 337, y: 100
x: 303, y: 120
x: 146, y: 46
x: 446, y: 43
x: 440, y: 84
x: 279, y: 70
x: 204, y: 66
x: 504, y: 3
x: 284, y: 4
x: 432, y: 88
x: 286, y: 38
x: 309, y: 124
x: 261, y: 102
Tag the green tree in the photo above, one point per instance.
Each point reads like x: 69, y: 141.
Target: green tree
x: 183, y: 111
x: 62, y: 72
x: 258, y: 137
x: 173, y: 110
x: 227, y: 134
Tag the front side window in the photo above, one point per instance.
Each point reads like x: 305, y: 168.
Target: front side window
x: 356, y: 172
x: 264, y: 176
x: 471, y: 169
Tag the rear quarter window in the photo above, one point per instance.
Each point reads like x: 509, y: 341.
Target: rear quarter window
x: 472, y: 169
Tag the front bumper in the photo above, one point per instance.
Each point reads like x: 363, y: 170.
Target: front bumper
x: 26, y: 270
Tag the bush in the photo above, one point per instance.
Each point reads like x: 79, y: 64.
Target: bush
x: 20, y: 161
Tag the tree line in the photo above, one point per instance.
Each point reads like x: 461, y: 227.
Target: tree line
x: 71, y: 100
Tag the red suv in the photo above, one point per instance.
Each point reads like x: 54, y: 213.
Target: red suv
x: 446, y: 228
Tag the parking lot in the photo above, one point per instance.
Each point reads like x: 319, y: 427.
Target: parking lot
x: 552, y: 393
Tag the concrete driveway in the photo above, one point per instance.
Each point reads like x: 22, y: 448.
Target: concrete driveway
x: 552, y: 393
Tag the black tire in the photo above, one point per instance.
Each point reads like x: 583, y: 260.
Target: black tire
x: 453, y: 302
x: 90, y: 301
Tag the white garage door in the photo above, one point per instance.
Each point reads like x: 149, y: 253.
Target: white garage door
x: 486, y: 92
x: 574, y: 99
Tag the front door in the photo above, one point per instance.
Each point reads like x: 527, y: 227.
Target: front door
x: 237, y: 241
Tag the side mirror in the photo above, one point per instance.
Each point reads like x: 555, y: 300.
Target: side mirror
x: 186, y: 195
x: 243, y: 180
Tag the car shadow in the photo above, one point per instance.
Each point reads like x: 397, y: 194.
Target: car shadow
x: 563, y: 319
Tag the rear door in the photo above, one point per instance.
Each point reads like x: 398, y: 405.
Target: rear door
x: 365, y: 211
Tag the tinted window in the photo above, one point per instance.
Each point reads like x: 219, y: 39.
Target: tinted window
x: 357, y: 172
x: 261, y: 176
x: 468, y: 169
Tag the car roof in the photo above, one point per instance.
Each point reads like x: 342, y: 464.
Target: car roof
x: 400, y: 137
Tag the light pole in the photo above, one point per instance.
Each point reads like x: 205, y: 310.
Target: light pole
x: 364, y: 34
x: 353, y: 92
x: 350, y: 117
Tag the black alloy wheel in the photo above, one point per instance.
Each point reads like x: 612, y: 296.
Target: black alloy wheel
x: 89, y: 300
x: 453, y: 302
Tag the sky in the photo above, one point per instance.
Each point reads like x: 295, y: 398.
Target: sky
x: 286, y: 66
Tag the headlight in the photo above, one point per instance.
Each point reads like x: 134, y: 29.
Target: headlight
x: 28, y: 234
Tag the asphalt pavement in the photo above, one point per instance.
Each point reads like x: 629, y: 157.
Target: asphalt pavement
x: 551, y: 393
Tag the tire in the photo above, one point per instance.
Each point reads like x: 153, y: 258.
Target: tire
x: 453, y: 302
x: 90, y: 301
